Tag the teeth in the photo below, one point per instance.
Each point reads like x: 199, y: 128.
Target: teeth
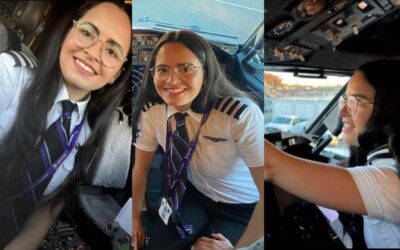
x: 175, y: 91
x: 347, y: 125
x: 84, y: 66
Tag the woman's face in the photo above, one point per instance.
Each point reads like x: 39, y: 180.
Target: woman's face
x: 178, y: 75
x: 356, y: 114
x: 83, y: 67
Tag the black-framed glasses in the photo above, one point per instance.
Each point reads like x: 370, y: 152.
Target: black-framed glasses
x: 85, y: 35
x: 351, y: 102
x: 184, y: 71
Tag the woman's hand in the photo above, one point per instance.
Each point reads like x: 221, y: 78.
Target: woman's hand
x: 140, y: 175
x: 138, y: 235
x: 218, y: 242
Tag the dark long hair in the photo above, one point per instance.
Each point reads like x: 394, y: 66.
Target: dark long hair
x: 19, y: 143
x: 383, y: 126
x: 218, y: 86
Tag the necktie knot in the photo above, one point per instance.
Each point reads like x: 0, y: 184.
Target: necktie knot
x: 67, y: 108
x: 180, y: 126
x: 180, y: 119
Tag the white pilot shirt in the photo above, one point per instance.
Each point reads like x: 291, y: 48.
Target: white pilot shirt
x: 14, y: 80
x: 227, y: 147
x: 379, y: 186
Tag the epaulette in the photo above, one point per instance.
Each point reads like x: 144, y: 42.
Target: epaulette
x: 21, y: 60
x: 231, y: 107
x: 381, y: 152
x: 148, y: 105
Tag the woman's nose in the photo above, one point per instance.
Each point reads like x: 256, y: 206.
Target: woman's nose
x: 95, y: 50
x: 173, y: 77
x: 342, y: 110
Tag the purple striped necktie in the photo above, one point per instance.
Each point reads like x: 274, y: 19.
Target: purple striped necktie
x: 54, y: 141
x: 177, y: 174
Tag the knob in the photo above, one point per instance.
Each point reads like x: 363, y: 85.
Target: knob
x: 328, y: 34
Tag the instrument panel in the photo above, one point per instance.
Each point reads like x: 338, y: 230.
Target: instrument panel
x: 143, y: 44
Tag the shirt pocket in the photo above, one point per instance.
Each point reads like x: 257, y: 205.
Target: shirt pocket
x: 218, y: 149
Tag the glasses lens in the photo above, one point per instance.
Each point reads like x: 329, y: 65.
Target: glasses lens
x: 111, y: 55
x: 352, y: 104
x: 185, y: 71
x: 342, y: 102
x: 161, y: 73
x: 85, y: 34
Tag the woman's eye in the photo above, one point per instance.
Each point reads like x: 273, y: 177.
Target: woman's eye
x: 112, y: 52
x: 86, y: 33
x: 162, y: 70
x: 186, y: 69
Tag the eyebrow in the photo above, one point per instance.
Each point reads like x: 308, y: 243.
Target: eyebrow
x: 178, y: 65
x: 111, y: 41
x: 161, y: 65
x: 185, y: 63
x: 361, y: 96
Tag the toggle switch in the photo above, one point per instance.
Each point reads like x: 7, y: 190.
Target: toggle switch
x: 355, y: 29
x: 338, y: 38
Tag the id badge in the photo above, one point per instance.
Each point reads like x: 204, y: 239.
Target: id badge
x: 165, y: 210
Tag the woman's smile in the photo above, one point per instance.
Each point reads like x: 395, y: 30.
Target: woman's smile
x: 84, y: 68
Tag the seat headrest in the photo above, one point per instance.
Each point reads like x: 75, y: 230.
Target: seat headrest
x: 28, y: 15
x: 9, y: 40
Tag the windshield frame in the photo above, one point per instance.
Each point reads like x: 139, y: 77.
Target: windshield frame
x: 234, y: 37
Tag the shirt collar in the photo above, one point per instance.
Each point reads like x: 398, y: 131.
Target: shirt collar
x: 63, y: 95
x: 171, y: 110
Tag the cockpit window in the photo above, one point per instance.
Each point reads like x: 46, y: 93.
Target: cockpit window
x: 292, y: 103
x: 229, y: 21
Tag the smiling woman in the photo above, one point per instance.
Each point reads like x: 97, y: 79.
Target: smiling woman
x: 178, y: 87
x: 54, y: 119
x: 94, y: 50
x: 372, y: 189
x: 211, y: 133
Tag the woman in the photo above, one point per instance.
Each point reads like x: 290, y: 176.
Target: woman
x: 212, y: 184
x: 47, y: 152
x: 370, y: 122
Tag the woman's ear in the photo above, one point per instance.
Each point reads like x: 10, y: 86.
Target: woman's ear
x: 116, y: 76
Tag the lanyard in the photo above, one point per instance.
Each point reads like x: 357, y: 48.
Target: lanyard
x: 51, y: 169
x: 186, y: 159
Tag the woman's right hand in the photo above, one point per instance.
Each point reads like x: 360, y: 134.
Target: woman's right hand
x: 138, y: 235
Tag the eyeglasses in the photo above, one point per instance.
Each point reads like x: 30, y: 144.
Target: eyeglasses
x: 184, y: 72
x: 85, y: 35
x: 351, y: 103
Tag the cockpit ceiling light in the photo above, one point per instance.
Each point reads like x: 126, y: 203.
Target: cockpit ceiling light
x: 339, y: 22
x: 362, y: 5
